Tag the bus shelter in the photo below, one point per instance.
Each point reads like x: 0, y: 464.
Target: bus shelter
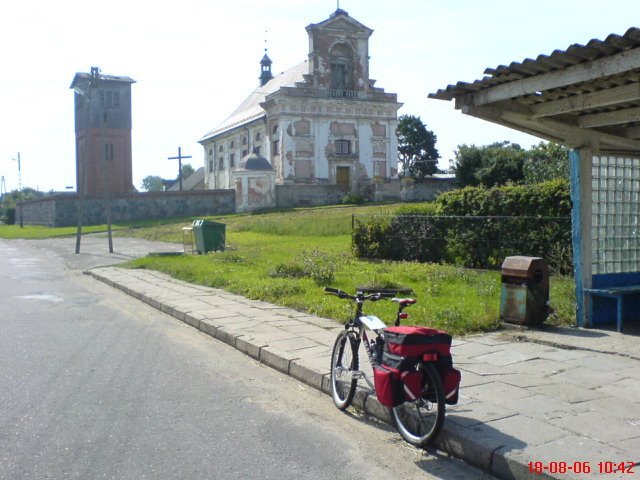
x: 587, y: 98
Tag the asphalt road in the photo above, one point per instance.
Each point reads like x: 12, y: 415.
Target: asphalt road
x: 94, y: 384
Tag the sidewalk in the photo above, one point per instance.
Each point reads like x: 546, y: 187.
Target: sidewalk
x: 568, y: 396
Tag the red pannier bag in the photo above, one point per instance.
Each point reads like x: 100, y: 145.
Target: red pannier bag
x: 407, y: 341
x: 411, y: 385
x: 386, y: 380
x: 451, y: 385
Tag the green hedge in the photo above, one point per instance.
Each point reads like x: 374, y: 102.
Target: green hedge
x: 475, y: 227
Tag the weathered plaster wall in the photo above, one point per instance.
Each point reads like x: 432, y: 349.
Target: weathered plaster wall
x: 60, y: 210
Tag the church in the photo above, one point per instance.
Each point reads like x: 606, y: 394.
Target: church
x: 321, y: 122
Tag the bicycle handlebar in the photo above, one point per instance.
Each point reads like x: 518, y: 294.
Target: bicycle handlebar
x: 373, y: 297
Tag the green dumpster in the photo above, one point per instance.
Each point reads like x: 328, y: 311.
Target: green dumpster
x: 208, y: 236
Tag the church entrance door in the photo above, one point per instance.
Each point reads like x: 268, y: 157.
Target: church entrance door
x: 342, y: 178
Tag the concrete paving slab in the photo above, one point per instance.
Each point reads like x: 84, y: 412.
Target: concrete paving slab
x: 524, y: 380
x: 544, y: 368
x: 470, y: 412
x: 567, y: 393
x: 586, y: 378
x: 496, y: 392
x: 630, y: 448
x: 599, y: 426
x: 505, y: 357
x: 527, y: 430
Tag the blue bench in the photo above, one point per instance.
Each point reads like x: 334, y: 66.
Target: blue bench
x: 617, y: 293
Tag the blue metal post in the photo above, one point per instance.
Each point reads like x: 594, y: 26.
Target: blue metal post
x: 576, y: 232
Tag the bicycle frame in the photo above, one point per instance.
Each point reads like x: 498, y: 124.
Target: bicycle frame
x: 362, y: 323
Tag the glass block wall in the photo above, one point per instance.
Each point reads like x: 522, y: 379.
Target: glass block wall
x: 615, y: 229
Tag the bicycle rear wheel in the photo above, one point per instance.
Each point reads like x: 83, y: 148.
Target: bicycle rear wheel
x: 344, y: 361
x: 420, y: 421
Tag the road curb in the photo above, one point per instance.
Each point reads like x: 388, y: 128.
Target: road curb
x: 454, y: 440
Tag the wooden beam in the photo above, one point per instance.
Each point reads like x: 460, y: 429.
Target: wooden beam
x: 577, y: 103
x: 567, y: 134
x: 632, y: 132
x: 605, y: 119
x: 582, y: 72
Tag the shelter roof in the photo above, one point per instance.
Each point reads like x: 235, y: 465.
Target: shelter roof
x: 250, y: 109
x: 586, y: 95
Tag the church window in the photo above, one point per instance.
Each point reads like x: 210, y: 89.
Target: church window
x: 256, y: 150
x: 341, y: 61
x: 211, y: 151
x: 220, y: 163
x: 211, y: 165
x: 221, y: 148
x: 275, y: 148
x: 257, y: 135
x: 343, y: 147
x: 232, y: 160
x: 244, y: 140
x: 233, y: 144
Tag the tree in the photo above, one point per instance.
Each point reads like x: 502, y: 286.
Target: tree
x: 152, y: 183
x: 417, y: 151
x: 187, y: 171
x: 490, y: 165
x: 546, y: 161
x: 9, y: 201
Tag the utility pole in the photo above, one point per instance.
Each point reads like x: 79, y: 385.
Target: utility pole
x: 19, y: 185
x: 108, y: 155
x: 179, y: 158
x: 82, y: 187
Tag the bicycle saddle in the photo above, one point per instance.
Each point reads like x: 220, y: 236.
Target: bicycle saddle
x: 404, y: 301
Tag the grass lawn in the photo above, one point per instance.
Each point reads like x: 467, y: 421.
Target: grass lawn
x: 286, y: 257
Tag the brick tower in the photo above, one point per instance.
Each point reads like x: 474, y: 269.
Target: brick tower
x: 103, y: 132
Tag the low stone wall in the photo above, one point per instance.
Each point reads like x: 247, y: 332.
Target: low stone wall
x: 406, y: 189
x: 61, y: 210
x: 307, y: 195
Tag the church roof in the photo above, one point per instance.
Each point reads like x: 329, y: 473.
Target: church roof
x: 250, y: 109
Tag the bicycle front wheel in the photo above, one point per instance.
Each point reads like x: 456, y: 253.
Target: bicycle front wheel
x: 344, y: 362
x: 420, y: 421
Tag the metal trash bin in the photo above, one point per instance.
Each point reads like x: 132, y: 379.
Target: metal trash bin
x: 524, y: 296
x: 208, y: 236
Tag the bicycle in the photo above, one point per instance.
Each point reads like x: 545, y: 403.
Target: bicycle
x: 418, y: 417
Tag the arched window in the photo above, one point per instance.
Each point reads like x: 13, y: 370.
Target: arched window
x: 341, y: 65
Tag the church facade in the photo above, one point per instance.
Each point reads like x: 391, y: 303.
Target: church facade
x: 322, y: 121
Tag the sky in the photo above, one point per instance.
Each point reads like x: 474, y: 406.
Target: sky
x: 195, y: 61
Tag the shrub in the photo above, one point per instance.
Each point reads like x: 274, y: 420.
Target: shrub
x: 10, y: 216
x: 475, y: 227
x: 352, y: 199
x: 288, y: 270
x: 319, y: 266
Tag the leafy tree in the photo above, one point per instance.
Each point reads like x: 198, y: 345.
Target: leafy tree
x: 187, y: 171
x: 417, y: 151
x: 9, y: 201
x: 545, y: 162
x: 491, y: 165
x: 152, y: 183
